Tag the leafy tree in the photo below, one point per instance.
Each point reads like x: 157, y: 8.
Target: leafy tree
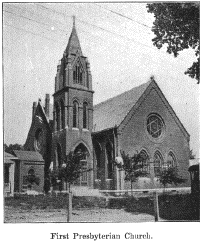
x: 192, y: 155
x: 32, y: 179
x: 54, y: 177
x: 133, y: 167
x: 11, y: 147
x: 70, y: 171
x: 177, y: 25
x: 170, y: 176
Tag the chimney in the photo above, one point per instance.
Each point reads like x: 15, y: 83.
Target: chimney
x: 34, y: 109
x: 47, y: 104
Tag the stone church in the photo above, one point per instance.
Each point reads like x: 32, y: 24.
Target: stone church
x: 139, y: 120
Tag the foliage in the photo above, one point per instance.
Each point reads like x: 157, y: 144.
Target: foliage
x: 54, y: 175
x: 177, y: 25
x: 31, y: 179
x: 71, y: 169
x: 11, y: 147
x: 133, y: 166
x: 170, y: 176
x: 192, y: 155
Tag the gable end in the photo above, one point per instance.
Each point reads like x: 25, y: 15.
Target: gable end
x: 153, y: 85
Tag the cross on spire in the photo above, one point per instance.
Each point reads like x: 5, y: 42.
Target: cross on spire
x: 74, y: 18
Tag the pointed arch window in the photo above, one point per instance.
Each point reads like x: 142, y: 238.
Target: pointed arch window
x: 85, y: 115
x: 75, y: 114
x: 78, y: 74
x: 146, y: 165
x: 31, y: 172
x: 158, y: 162
x: 62, y: 114
x: 171, y: 160
x: 57, y: 115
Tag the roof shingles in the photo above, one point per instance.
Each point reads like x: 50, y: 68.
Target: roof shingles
x: 112, y: 112
x: 29, y: 156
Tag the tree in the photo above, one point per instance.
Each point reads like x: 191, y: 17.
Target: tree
x: 72, y: 168
x: 170, y: 176
x: 11, y: 147
x: 70, y: 171
x: 192, y: 155
x: 133, y: 167
x: 177, y: 25
x: 32, y: 179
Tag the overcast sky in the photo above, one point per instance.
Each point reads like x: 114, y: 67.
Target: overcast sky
x: 119, y: 49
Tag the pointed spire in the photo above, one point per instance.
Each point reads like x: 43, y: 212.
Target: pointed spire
x: 73, y: 44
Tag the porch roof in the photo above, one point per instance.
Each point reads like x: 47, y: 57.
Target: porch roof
x: 29, y: 156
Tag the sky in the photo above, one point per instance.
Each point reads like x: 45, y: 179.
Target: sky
x: 116, y: 38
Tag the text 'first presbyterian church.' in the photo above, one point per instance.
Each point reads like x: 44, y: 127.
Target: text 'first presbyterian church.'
x: 139, y: 120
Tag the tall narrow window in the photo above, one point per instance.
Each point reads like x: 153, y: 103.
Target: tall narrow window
x: 74, y: 76
x: 87, y: 80
x: 75, y: 114
x: 85, y: 116
x: 62, y: 114
x: 78, y: 74
x: 57, y: 117
x: 146, y: 165
x: 158, y: 162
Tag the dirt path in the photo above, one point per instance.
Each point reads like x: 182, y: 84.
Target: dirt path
x: 13, y: 215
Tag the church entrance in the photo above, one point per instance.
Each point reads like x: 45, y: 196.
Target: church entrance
x: 83, y: 179
x: 104, y: 166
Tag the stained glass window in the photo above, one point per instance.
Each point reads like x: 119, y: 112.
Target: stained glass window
x: 155, y: 125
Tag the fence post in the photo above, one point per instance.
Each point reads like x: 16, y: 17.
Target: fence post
x: 69, y: 211
x: 156, y: 207
x: 155, y: 193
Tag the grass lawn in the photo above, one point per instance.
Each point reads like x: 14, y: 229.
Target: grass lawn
x: 52, y: 208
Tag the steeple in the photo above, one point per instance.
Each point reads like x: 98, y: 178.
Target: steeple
x: 73, y: 69
x: 73, y: 44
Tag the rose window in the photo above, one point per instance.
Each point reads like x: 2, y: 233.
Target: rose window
x: 155, y: 125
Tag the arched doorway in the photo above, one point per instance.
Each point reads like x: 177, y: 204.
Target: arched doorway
x: 83, y: 179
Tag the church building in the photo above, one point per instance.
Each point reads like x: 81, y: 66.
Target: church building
x: 139, y: 120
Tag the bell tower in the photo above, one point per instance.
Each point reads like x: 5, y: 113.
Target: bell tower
x: 73, y: 103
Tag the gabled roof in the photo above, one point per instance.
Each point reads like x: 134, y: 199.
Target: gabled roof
x: 29, y: 156
x: 111, y: 112
x: 114, y: 111
x: 40, y: 106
